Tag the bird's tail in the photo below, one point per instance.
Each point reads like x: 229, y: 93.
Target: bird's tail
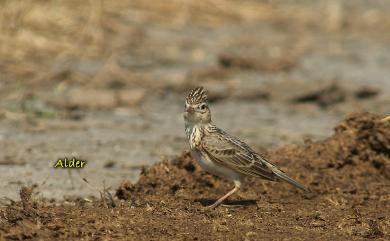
x: 288, y: 179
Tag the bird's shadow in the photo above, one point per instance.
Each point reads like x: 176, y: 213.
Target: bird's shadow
x: 233, y: 203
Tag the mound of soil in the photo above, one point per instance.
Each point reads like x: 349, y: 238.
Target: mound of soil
x: 348, y: 174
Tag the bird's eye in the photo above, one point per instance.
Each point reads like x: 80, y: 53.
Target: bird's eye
x: 202, y: 106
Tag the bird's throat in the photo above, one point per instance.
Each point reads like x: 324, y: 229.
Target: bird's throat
x: 194, y: 133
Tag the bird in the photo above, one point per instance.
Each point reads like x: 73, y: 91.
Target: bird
x: 221, y: 154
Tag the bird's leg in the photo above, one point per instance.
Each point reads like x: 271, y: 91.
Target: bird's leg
x: 219, y: 201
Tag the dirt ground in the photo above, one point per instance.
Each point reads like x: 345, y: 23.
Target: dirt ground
x: 348, y: 175
x: 105, y: 82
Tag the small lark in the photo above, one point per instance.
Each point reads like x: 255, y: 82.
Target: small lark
x: 221, y: 154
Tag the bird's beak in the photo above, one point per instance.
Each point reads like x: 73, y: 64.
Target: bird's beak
x: 189, y: 109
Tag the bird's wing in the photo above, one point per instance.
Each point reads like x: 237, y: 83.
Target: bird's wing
x: 234, y: 154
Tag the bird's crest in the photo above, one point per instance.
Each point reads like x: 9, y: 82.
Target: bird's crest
x: 196, y: 96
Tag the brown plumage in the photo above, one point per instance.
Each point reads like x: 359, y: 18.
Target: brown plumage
x: 196, y: 96
x: 221, y: 154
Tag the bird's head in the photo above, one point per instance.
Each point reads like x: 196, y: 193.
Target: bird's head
x: 196, y: 109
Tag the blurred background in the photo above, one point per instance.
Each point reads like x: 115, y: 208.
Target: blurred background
x: 105, y: 81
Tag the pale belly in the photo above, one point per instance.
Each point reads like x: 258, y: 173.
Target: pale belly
x: 215, y: 168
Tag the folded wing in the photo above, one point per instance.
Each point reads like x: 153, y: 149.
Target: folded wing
x: 232, y: 153
x: 236, y: 155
